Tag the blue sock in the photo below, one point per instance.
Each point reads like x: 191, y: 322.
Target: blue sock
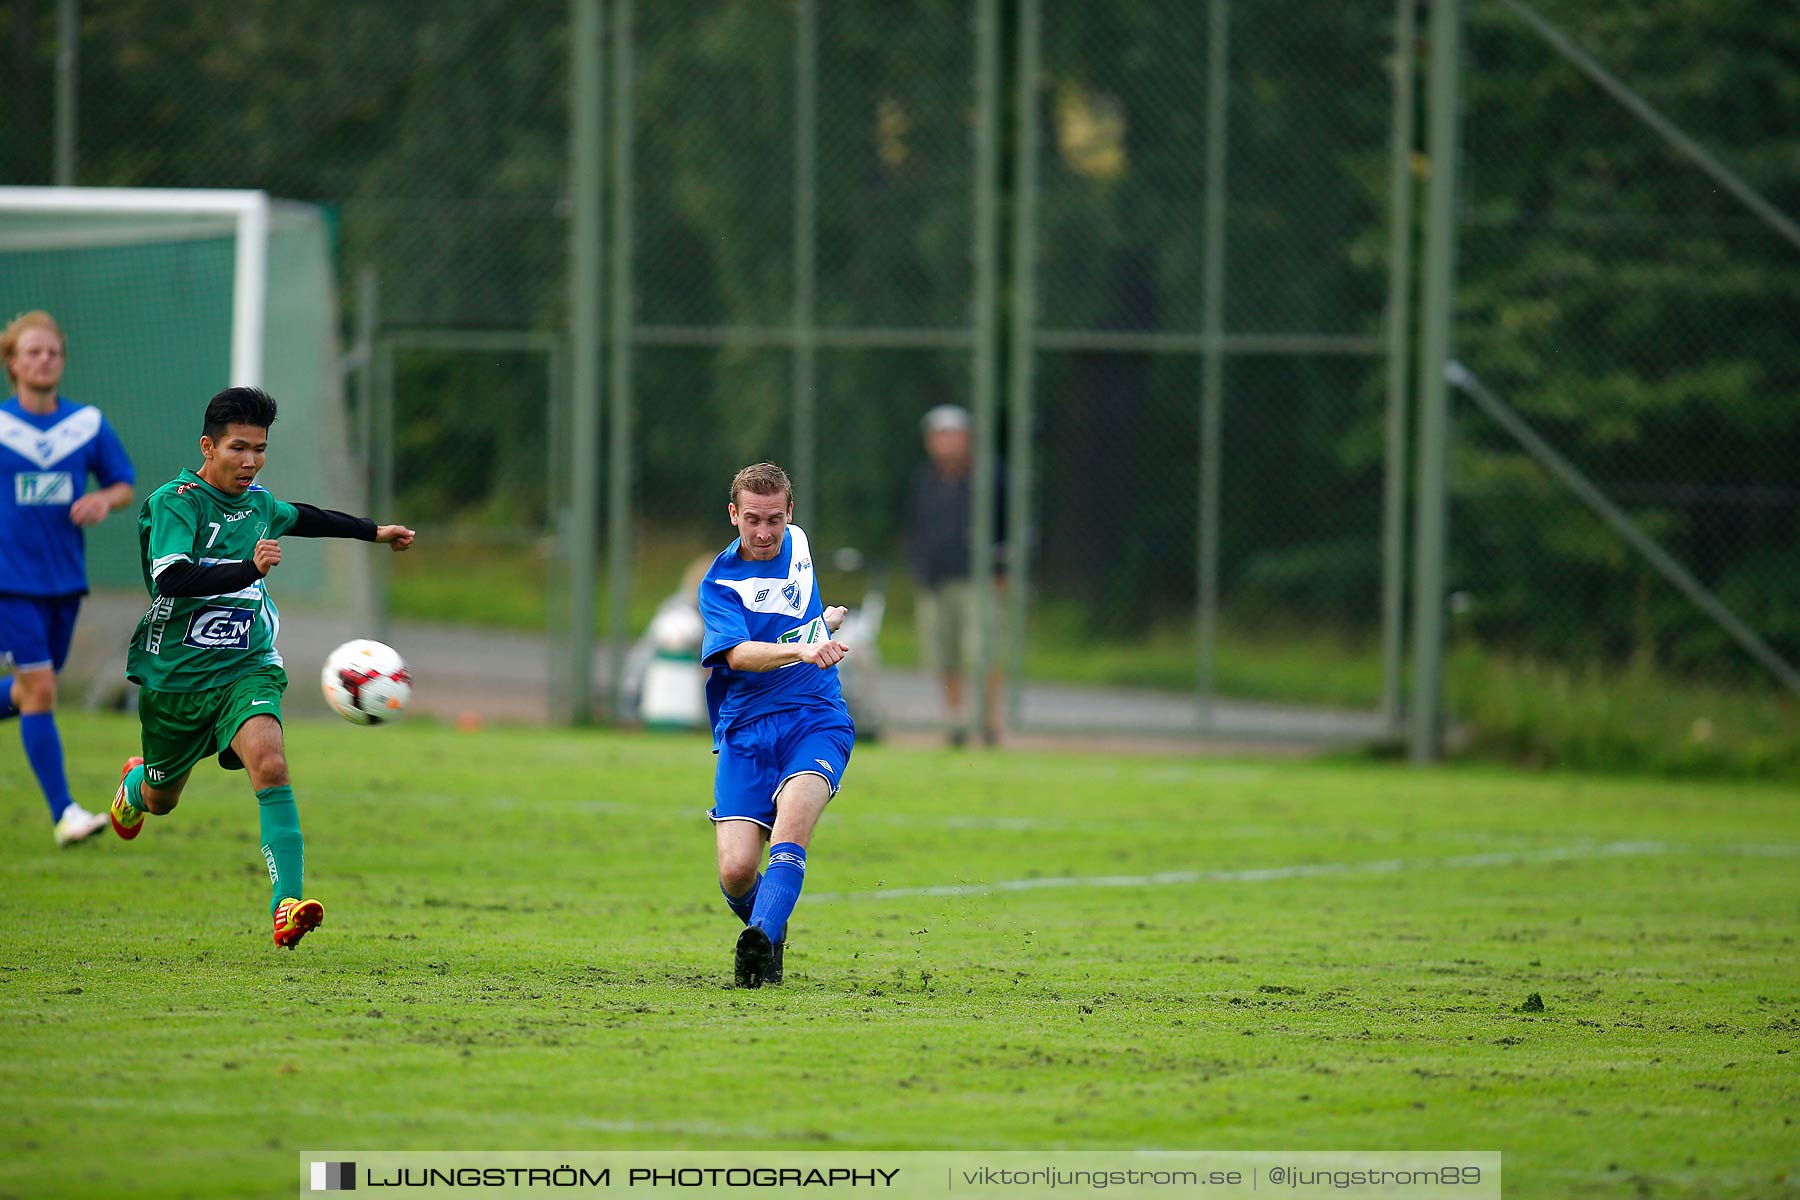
x: 780, y: 889
x: 745, y: 904
x: 6, y: 708
x: 43, y: 747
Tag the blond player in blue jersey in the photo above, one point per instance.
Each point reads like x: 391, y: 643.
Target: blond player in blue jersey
x: 780, y: 727
x: 49, y: 446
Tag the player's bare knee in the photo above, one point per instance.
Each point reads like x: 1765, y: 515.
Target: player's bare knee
x: 268, y: 769
x: 157, y: 804
x: 737, y: 876
x: 34, y: 692
x: 737, y: 869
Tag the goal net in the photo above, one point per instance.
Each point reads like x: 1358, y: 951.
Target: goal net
x: 166, y: 297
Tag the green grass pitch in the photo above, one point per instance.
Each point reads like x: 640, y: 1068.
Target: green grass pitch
x: 524, y: 948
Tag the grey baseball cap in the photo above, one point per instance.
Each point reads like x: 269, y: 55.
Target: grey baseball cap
x: 946, y: 416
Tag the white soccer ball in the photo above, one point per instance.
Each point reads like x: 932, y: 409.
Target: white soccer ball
x: 366, y: 682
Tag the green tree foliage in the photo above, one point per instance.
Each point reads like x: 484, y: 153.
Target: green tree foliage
x: 1636, y: 315
x: 1640, y: 318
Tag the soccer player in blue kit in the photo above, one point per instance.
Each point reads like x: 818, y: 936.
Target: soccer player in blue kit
x: 48, y: 448
x: 780, y: 727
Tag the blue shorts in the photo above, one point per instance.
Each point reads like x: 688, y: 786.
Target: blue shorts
x: 35, y: 631
x: 758, y: 756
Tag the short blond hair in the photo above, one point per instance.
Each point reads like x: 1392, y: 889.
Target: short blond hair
x: 37, y: 318
x: 762, y: 479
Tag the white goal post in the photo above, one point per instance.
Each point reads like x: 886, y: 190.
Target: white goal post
x: 247, y: 210
x: 169, y: 295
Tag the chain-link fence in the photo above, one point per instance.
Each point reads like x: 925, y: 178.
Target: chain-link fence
x: 1158, y: 249
x: 436, y: 139
x: 1622, y: 303
x: 814, y: 261
x: 1205, y: 411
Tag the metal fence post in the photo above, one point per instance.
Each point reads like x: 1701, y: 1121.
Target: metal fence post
x: 619, y: 444
x: 68, y: 79
x: 368, y: 326
x: 1432, y: 503
x: 1212, y: 386
x: 381, y: 478
x: 558, y: 593
x: 585, y: 190
x: 1022, y: 359
x: 1399, y: 314
x: 806, y: 235
x: 984, y: 246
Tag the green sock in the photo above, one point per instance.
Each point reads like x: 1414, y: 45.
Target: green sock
x: 282, y: 845
x: 133, y: 798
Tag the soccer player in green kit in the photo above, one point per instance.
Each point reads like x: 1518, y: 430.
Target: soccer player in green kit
x: 204, y: 655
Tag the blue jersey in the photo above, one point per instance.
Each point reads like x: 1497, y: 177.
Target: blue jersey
x: 773, y: 601
x: 45, y: 461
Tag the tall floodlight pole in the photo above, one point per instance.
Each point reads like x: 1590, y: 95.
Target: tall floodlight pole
x: 1431, y: 514
x: 585, y: 188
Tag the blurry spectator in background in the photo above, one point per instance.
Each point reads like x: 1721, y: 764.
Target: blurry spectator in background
x: 938, y: 519
x: 48, y: 448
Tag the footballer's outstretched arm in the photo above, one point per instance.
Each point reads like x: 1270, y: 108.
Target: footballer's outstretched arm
x: 771, y: 656
x: 310, y: 521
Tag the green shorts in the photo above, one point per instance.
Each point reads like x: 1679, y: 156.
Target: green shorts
x: 181, y: 728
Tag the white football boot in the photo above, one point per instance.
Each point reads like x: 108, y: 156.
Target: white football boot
x: 77, y: 824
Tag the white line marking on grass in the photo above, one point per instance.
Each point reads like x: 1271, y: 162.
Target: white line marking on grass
x: 1383, y: 866
x: 204, y: 1108
x: 1772, y: 850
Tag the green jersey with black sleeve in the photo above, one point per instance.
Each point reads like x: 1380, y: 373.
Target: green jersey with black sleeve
x: 191, y: 643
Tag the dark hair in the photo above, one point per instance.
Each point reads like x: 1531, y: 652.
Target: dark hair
x: 238, y: 406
